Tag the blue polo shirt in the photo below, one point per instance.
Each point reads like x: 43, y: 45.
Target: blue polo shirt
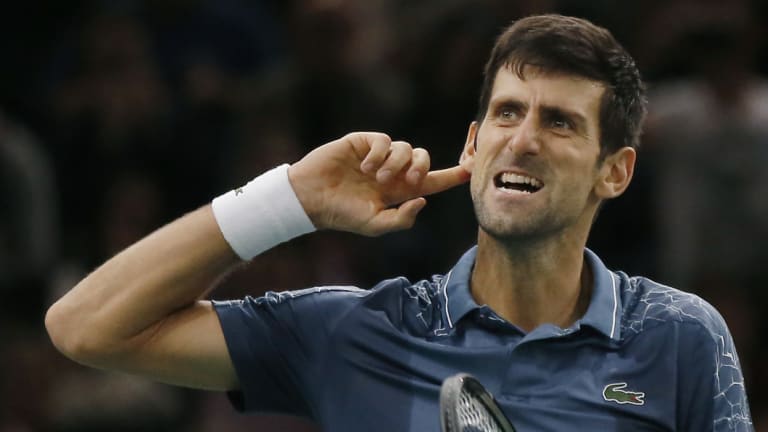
x: 644, y: 357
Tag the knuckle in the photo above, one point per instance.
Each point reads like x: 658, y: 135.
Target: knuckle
x: 420, y: 155
x: 379, y: 230
x: 380, y: 136
x: 400, y: 145
x: 407, y: 222
x: 403, y: 150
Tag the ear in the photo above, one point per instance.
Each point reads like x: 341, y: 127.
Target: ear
x: 467, y: 159
x: 616, y: 173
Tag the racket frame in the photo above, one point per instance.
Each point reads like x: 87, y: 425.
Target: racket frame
x: 450, y: 392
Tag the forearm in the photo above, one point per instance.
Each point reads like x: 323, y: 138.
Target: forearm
x: 139, y: 312
x: 164, y: 272
x: 140, y: 306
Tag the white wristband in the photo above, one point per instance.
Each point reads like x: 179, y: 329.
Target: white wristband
x: 262, y: 214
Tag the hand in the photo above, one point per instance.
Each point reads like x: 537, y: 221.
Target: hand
x: 368, y: 184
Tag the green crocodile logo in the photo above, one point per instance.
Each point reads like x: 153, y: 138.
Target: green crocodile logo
x: 615, y: 393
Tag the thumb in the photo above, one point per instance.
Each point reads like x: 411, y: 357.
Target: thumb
x: 441, y: 180
x: 397, y: 218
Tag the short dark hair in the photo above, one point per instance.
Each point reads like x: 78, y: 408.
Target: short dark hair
x: 574, y: 46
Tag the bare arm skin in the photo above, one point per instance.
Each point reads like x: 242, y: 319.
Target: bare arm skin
x: 142, y: 311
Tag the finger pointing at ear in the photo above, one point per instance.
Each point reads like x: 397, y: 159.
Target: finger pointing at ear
x: 444, y: 179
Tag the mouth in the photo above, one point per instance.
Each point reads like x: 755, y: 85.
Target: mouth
x: 510, y: 182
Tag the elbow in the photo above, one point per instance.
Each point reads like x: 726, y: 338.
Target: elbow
x: 58, y: 324
x: 70, y: 336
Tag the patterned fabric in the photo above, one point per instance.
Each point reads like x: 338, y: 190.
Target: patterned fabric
x: 643, y: 357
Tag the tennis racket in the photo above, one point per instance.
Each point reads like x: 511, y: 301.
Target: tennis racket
x: 465, y: 406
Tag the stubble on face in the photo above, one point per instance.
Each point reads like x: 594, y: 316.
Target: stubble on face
x: 566, y: 163
x: 553, y: 214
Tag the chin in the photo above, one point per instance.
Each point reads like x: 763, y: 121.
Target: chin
x: 506, y: 233
x: 509, y: 230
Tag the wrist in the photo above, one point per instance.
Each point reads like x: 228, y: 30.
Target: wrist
x: 262, y: 214
x: 308, y: 197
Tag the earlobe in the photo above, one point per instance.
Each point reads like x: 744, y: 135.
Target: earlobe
x: 467, y: 159
x: 616, y: 173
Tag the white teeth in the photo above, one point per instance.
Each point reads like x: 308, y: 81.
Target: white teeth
x: 520, y: 179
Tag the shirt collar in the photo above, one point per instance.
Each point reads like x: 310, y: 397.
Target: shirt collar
x: 456, y: 292
x: 602, y: 314
x: 604, y: 308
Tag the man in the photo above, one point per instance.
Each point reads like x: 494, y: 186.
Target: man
x: 563, y: 343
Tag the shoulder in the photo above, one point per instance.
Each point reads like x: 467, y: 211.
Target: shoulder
x: 648, y: 304
x: 411, y: 307
x: 390, y: 294
x: 320, y: 293
x: 708, y: 363
x: 663, y: 316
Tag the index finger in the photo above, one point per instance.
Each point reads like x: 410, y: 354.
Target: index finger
x: 444, y: 179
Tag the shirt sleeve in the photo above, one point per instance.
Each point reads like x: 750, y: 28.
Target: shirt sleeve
x: 714, y: 395
x: 277, y: 344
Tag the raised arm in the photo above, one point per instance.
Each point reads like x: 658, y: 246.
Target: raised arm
x: 142, y: 311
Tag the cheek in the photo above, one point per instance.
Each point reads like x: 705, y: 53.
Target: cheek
x: 480, y: 163
x: 476, y: 182
x: 581, y: 182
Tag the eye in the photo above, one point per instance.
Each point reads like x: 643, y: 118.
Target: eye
x: 507, y: 113
x: 561, y: 123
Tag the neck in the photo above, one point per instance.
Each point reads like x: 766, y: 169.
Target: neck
x: 541, y: 281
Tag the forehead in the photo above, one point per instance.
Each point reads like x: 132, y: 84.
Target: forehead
x: 537, y: 88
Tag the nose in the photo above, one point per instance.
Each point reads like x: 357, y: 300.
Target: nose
x: 526, y: 139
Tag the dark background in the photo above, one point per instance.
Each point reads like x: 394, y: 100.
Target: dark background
x: 118, y: 116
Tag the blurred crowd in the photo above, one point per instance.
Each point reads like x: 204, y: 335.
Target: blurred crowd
x: 118, y: 116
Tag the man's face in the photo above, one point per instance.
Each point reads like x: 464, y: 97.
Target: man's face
x: 536, y: 164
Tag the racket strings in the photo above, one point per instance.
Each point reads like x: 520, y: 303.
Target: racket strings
x: 474, y: 415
